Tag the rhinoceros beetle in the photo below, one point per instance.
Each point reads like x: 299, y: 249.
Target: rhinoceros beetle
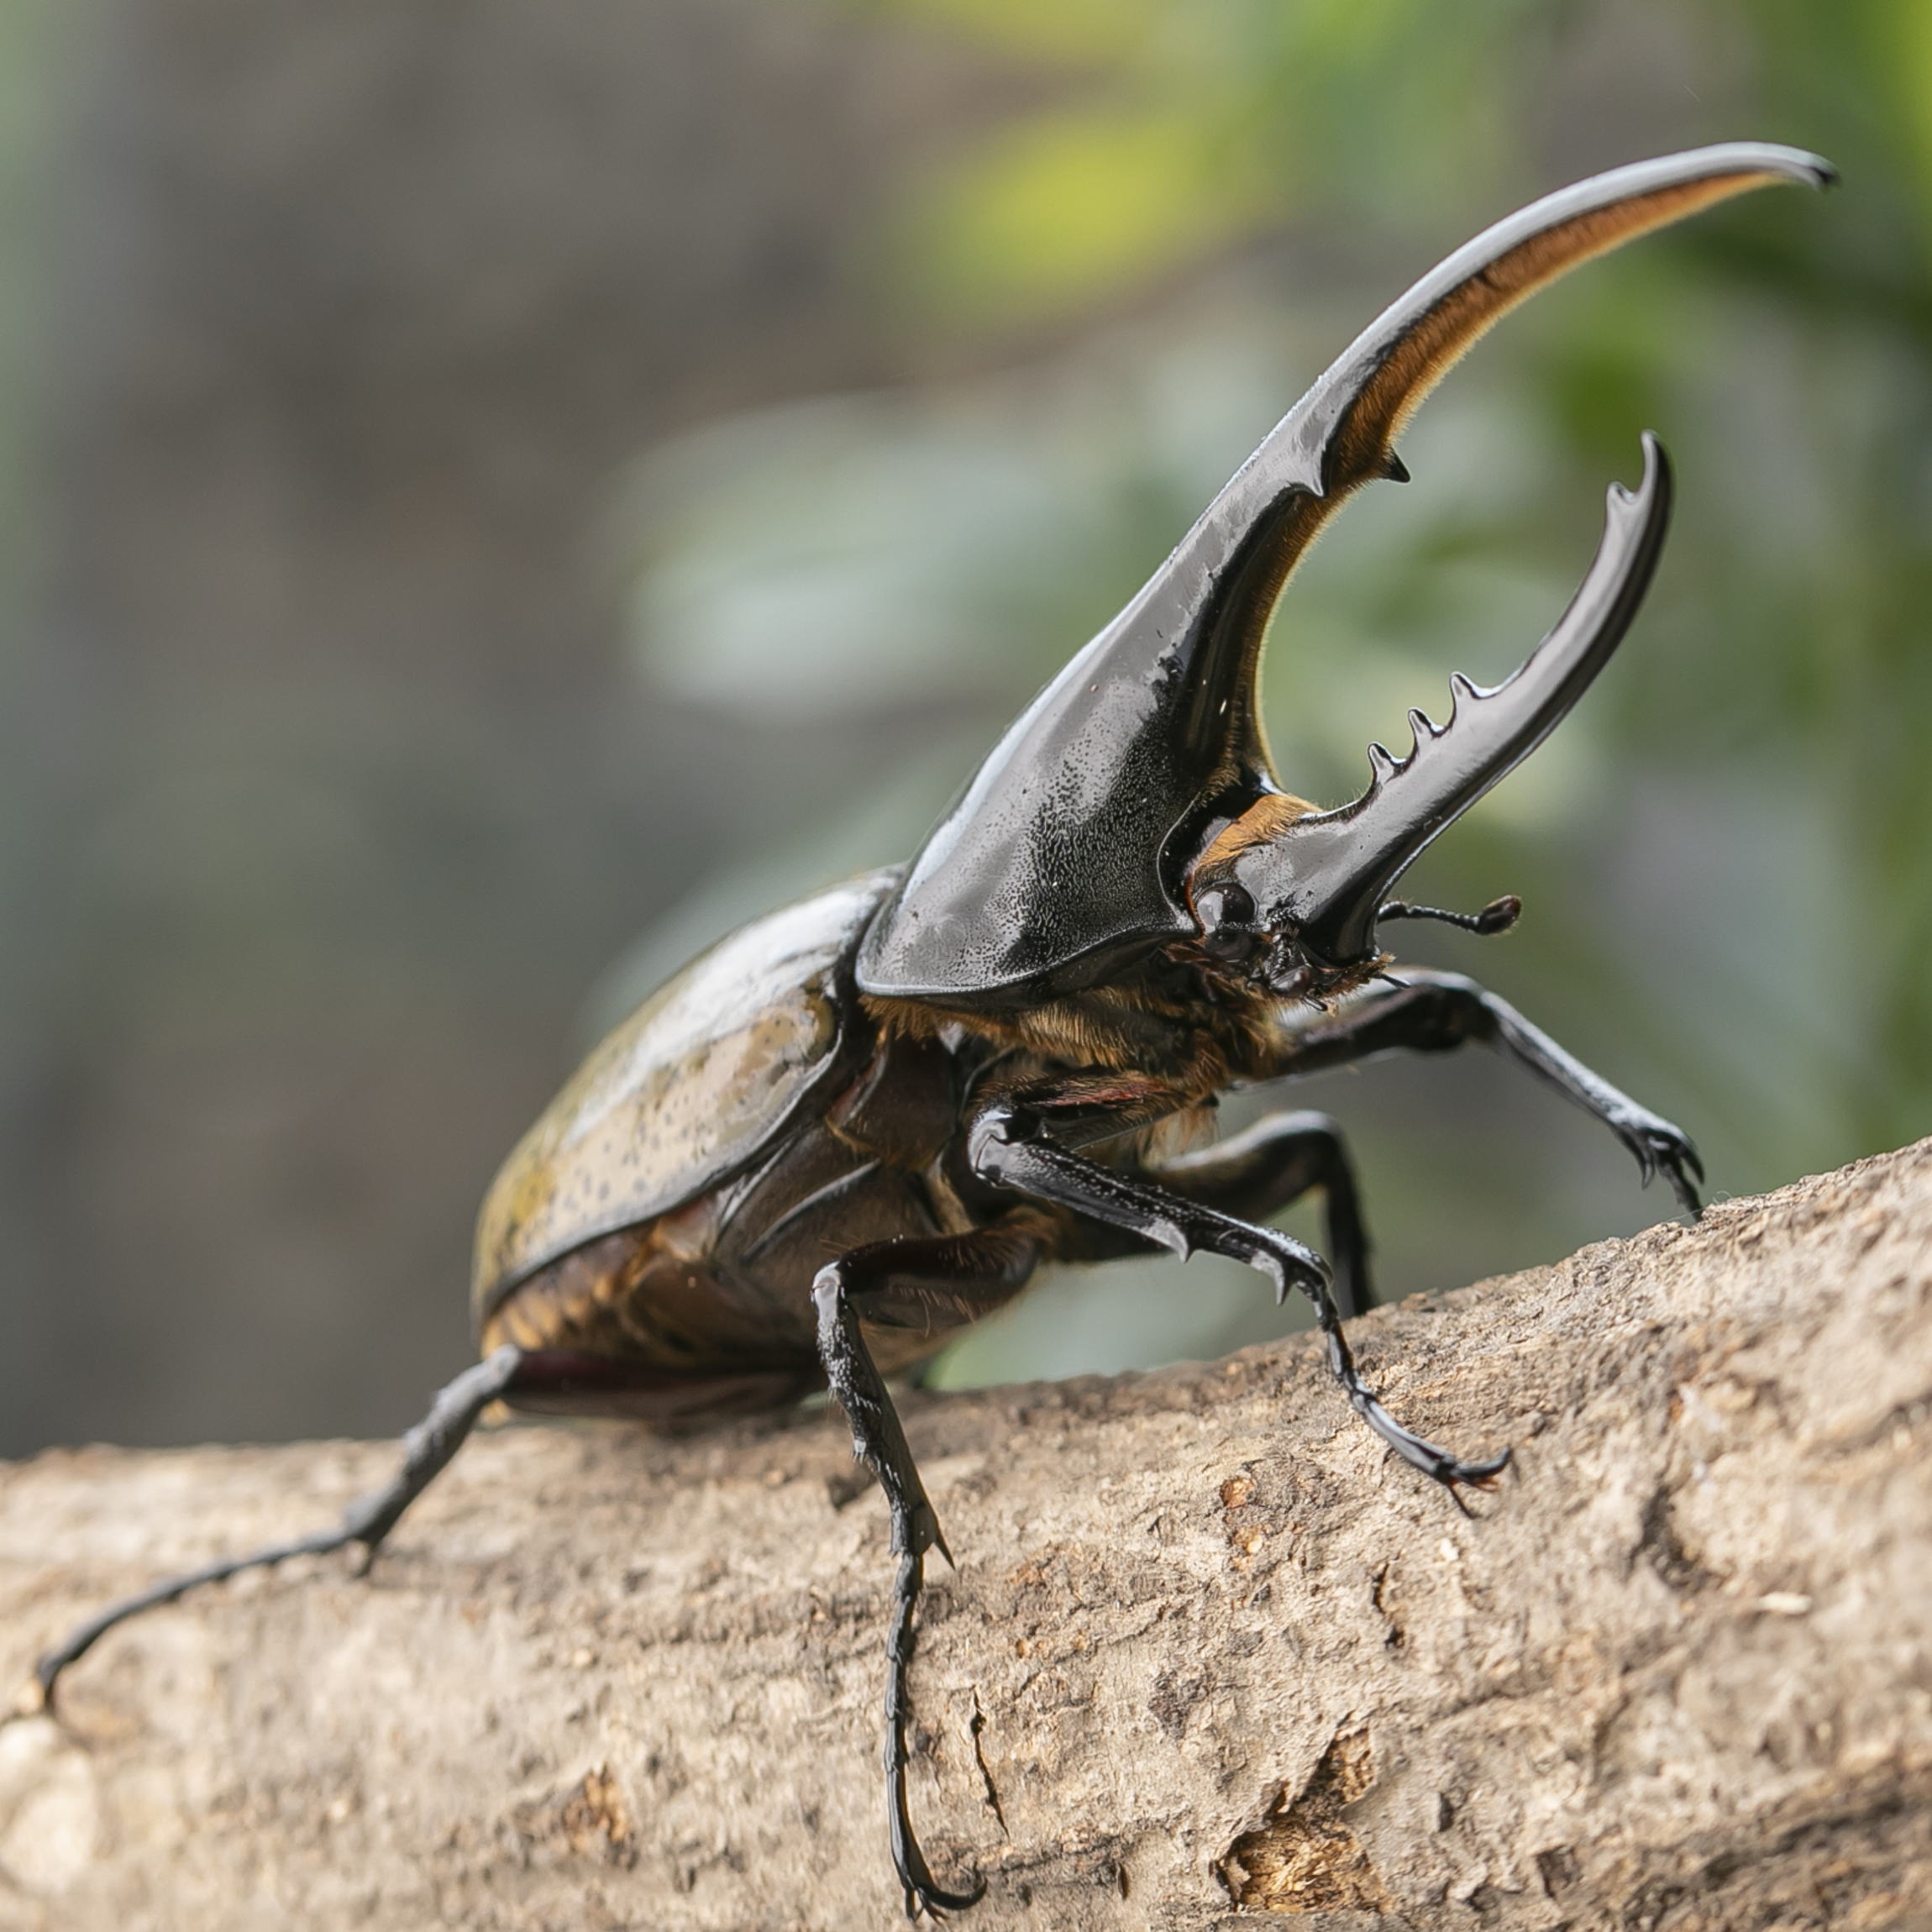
x: 863, y: 1122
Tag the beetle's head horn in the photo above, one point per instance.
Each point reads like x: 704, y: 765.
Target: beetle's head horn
x: 1299, y: 891
x: 1083, y: 842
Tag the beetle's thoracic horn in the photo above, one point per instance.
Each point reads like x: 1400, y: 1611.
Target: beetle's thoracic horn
x: 1067, y: 850
x: 1325, y: 874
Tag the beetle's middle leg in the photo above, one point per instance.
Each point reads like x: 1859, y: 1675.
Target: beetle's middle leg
x: 903, y: 1283
x: 1252, y: 1176
x: 1011, y: 1145
x: 426, y: 1449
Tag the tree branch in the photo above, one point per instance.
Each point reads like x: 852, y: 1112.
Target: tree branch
x: 1209, y: 1651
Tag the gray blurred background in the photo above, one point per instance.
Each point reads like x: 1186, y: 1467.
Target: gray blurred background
x: 490, y: 496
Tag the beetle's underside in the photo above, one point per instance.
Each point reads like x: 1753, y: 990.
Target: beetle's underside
x: 862, y: 1124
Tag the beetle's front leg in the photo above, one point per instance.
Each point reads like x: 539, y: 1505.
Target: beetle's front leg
x: 1011, y: 1144
x: 1433, y: 1012
x: 894, y: 1282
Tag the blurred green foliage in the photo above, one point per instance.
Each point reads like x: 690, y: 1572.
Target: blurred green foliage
x: 1186, y: 126
x: 1726, y: 854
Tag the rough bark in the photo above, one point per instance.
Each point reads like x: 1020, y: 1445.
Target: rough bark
x: 1208, y: 1652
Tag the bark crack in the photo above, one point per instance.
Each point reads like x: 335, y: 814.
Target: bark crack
x: 978, y: 1725
x: 1305, y: 1858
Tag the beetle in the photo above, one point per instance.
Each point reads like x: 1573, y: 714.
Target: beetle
x: 861, y: 1122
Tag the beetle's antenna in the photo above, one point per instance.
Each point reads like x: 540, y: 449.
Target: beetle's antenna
x: 1499, y: 916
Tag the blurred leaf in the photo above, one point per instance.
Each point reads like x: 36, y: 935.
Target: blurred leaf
x: 1068, y: 208
x: 870, y: 552
x: 1197, y: 121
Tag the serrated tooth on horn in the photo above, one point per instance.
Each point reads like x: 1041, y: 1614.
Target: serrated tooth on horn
x: 1382, y: 763
x: 1423, y: 728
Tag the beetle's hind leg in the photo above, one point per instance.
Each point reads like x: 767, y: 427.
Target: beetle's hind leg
x: 905, y: 1284
x: 426, y: 1449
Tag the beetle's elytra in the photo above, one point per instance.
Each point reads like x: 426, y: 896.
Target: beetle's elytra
x: 861, y: 1122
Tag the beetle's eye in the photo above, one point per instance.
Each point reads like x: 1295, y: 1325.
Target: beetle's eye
x: 1226, y: 916
x: 1226, y: 905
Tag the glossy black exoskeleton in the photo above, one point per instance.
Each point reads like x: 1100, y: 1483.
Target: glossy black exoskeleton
x: 944, y: 1076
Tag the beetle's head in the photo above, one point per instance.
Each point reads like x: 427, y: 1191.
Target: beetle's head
x: 1132, y: 806
x: 1291, y: 897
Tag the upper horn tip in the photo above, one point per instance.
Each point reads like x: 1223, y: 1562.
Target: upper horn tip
x: 1774, y: 158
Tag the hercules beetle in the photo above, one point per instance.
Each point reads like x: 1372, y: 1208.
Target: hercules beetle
x: 861, y: 1123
